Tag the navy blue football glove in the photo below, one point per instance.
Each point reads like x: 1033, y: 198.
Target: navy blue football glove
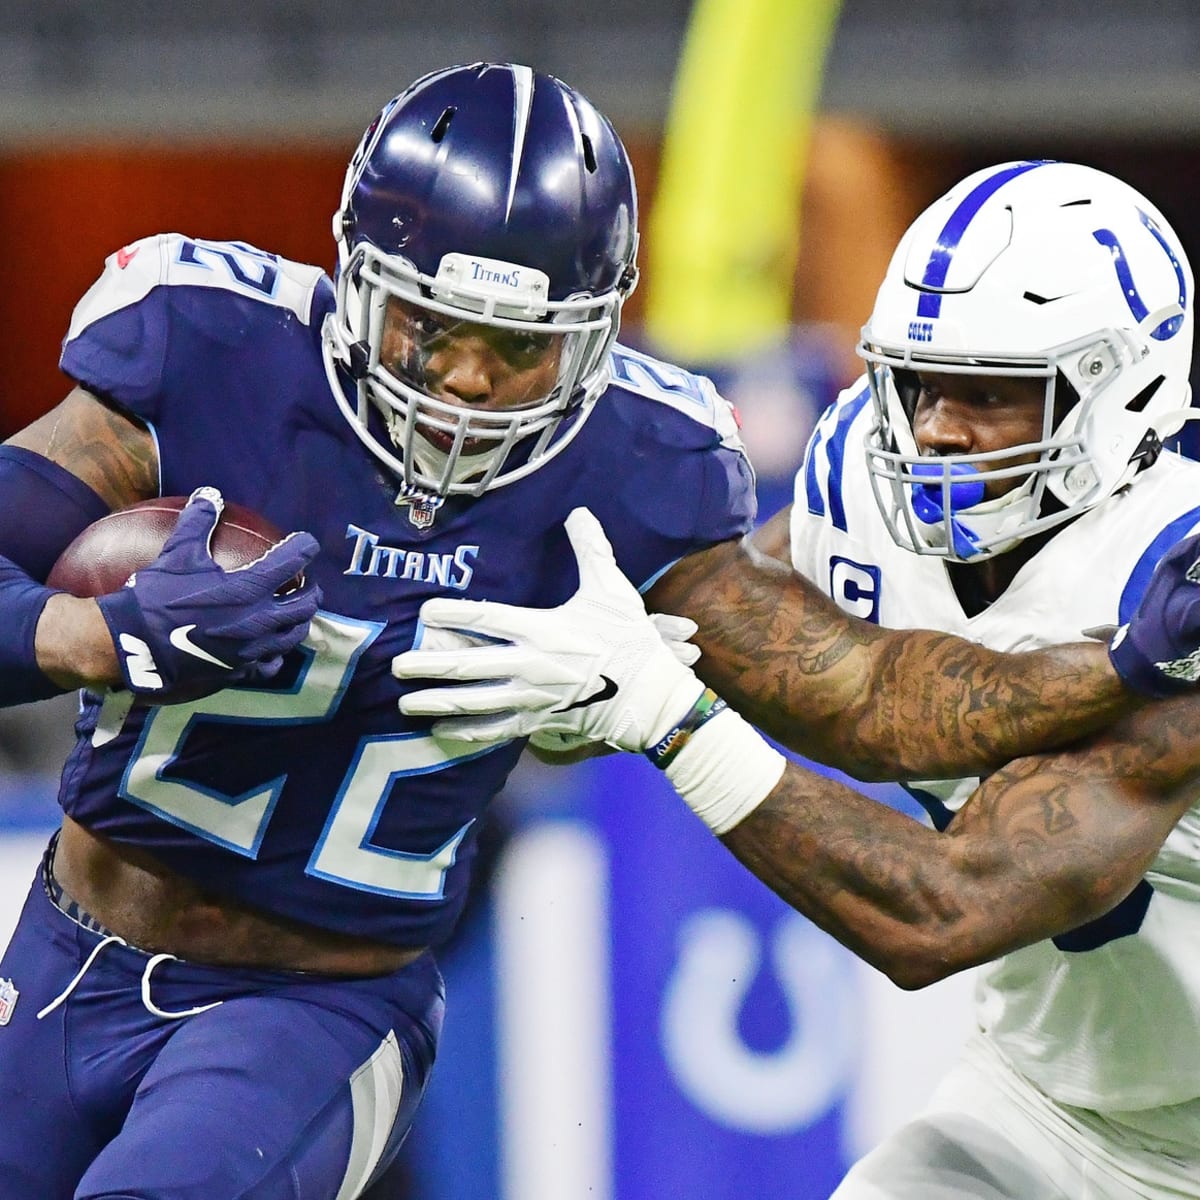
x: 1158, y: 651
x: 184, y: 627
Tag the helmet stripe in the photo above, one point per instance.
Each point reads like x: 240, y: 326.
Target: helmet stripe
x: 938, y: 267
x: 522, y: 103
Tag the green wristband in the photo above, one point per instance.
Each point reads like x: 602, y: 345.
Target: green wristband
x: 664, y: 751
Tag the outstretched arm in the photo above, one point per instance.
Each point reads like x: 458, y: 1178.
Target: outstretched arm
x: 1043, y: 846
x: 877, y: 703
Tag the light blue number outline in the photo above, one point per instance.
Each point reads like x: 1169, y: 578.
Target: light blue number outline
x: 439, y: 861
x: 329, y: 627
x: 658, y: 379
x: 202, y: 710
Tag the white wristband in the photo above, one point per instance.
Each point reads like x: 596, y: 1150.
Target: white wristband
x: 726, y: 770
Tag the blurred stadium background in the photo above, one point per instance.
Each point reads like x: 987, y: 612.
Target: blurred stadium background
x: 630, y: 1015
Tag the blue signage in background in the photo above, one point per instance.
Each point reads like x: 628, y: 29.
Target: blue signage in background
x: 733, y: 1017
x: 637, y: 1017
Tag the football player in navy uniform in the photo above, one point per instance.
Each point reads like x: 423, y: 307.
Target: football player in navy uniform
x: 222, y: 983
x: 1029, y: 350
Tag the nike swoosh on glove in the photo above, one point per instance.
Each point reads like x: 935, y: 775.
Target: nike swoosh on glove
x: 674, y: 631
x: 184, y: 627
x: 1157, y: 652
x: 594, y: 668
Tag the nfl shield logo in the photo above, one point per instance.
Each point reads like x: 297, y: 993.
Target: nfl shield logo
x: 8, y: 1000
x: 422, y: 506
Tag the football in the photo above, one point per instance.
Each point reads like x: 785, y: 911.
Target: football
x: 111, y: 549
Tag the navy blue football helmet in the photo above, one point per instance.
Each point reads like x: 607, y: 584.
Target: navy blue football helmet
x: 498, y: 201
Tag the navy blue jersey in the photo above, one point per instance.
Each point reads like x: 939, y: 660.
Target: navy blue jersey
x: 315, y: 798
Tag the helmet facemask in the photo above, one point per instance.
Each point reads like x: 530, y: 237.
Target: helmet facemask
x: 437, y: 442
x: 936, y: 504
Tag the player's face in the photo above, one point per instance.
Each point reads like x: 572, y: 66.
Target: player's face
x: 976, y: 414
x: 467, y: 364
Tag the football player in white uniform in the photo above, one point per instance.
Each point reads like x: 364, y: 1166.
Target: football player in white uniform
x: 999, y: 474
x: 1027, y: 353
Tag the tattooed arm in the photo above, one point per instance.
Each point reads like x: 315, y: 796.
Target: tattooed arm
x: 879, y: 704
x: 110, y: 452
x: 1043, y: 846
x: 116, y: 458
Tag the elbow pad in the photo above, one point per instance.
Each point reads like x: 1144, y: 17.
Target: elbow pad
x: 42, y: 508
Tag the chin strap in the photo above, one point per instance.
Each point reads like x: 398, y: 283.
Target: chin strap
x: 358, y: 361
x: 1147, y: 451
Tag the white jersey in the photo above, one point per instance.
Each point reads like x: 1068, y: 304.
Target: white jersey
x: 1106, y: 1017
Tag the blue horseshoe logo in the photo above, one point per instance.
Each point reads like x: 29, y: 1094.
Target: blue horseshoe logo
x: 1169, y: 328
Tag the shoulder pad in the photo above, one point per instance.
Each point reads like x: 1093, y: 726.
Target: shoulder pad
x: 172, y: 259
x: 821, y: 475
x: 693, y: 395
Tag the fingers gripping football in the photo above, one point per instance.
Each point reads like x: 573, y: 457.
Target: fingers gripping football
x: 595, y: 668
x: 184, y: 626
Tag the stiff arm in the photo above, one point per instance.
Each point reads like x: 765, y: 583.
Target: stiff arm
x: 876, y: 703
x: 1043, y: 846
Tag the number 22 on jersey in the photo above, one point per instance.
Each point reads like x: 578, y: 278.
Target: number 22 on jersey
x: 343, y: 853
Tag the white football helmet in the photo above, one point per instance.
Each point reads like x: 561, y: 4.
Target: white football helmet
x: 1043, y: 270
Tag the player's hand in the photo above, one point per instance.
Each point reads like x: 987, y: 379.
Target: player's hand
x: 595, y: 668
x: 185, y: 627
x: 674, y: 631
x: 1158, y: 651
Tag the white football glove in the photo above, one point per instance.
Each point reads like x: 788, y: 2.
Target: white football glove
x: 593, y: 669
x: 673, y: 630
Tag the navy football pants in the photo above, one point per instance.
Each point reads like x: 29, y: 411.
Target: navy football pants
x: 292, y: 1087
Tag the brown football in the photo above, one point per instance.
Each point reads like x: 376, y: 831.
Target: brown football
x: 111, y: 549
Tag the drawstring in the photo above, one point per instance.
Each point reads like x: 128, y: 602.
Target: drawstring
x: 150, y: 1006
x: 153, y: 1008
x: 87, y: 966
x: 71, y: 910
